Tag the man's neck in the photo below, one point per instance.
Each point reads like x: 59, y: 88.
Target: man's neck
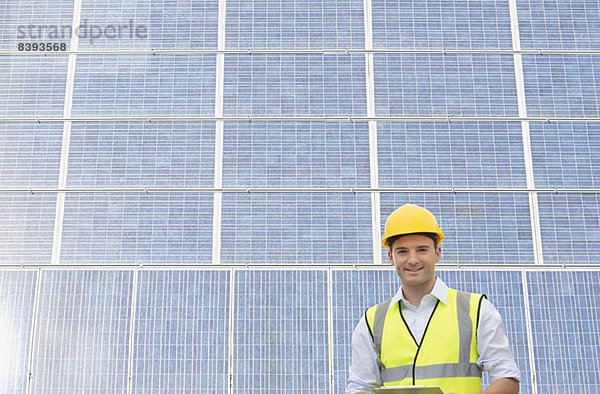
x: 414, y: 294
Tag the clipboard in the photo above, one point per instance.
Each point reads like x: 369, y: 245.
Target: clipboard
x: 409, y: 390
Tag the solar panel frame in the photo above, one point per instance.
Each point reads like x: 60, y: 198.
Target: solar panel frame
x: 265, y: 24
x: 280, y: 331
x: 438, y: 24
x: 17, y: 295
x: 181, y: 335
x: 142, y: 154
x: 444, y: 85
x: 81, y: 341
x: 564, y: 318
x: 121, y: 228
x: 139, y: 85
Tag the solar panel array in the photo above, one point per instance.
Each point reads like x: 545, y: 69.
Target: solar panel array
x: 193, y: 193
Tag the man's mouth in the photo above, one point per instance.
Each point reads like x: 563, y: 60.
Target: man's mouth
x: 416, y: 269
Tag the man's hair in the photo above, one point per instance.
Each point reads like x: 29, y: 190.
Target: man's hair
x: 433, y: 236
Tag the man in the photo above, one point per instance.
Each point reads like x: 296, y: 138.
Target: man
x: 428, y: 334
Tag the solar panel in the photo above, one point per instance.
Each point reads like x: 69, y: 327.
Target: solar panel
x: 565, y: 326
x: 29, y: 22
x: 301, y: 154
x: 565, y: 155
x: 557, y: 24
x: 137, y: 229
x: 562, y: 86
x: 570, y: 228
x: 26, y: 228
x: 310, y: 24
x: 29, y: 154
x: 446, y: 155
x: 438, y: 24
x: 141, y: 154
x: 294, y: 85
x: 160, y: 85
x: 17, y: 291
x: 81, y: 341
x: 32, y: 86
x: 294, y: 228
x: 154, y: 25
x: 280, y: 332
x: 181, y: 331
x: 444, y: 85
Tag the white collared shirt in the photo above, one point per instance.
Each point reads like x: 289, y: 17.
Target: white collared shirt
x: 492, y: 344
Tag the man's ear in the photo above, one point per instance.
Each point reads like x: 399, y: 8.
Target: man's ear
x: 438, y: 253
x: 391, y: 257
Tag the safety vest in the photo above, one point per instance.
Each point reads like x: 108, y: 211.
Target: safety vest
x: 447, y: 355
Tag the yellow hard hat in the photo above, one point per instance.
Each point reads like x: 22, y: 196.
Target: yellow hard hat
x: 409, y: 219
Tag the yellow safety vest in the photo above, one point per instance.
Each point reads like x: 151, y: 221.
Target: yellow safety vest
x: 447, y: 355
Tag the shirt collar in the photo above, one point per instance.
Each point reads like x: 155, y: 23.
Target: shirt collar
x: 439, y: 291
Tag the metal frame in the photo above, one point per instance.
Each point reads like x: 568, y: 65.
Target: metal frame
x: 219, y: 129
x: 295, y: 267
x: 250, y: 51
x: 250, y: 190
x: 447, y: 119
x: 373, y: 148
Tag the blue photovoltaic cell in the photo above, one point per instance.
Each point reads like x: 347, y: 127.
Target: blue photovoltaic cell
x: 565, y: 321
x: 559, y: 24
x: 159, y: 24
x: 81, y: 340
x: 32, y: 86
x: 181, y: 332
x: 160, y: 85
x: 566, y: 86
x: 141, y: 154
x: 441, y: 24
x: 294, y: 85
x: 35, y: 22
x: 280, y: 332
x: 17, y: 291
x: 276, y: 154
x: 504, y: 289
x: 566, y: 155
x: 444, y: 85
x: 30, y: 154
x: 309, y: 24
x: 482, y: 228
x: 137, y: 229
x: 479, y: 155
x: 353, y: 292
x: 26, y: 228
x: 290, y: 228
x: 570, y: 227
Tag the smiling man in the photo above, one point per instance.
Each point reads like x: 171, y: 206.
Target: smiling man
x: 428, y: 334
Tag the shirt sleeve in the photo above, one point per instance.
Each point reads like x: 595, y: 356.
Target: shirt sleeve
x: 364, y: 370
x: 495, y: 356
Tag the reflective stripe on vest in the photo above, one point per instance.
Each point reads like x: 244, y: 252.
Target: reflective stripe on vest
x: 465, y: 367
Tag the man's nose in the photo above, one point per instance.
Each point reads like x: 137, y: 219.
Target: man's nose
x: 412, y: 257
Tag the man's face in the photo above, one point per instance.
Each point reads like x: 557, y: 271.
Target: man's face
x: 414, y: 257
